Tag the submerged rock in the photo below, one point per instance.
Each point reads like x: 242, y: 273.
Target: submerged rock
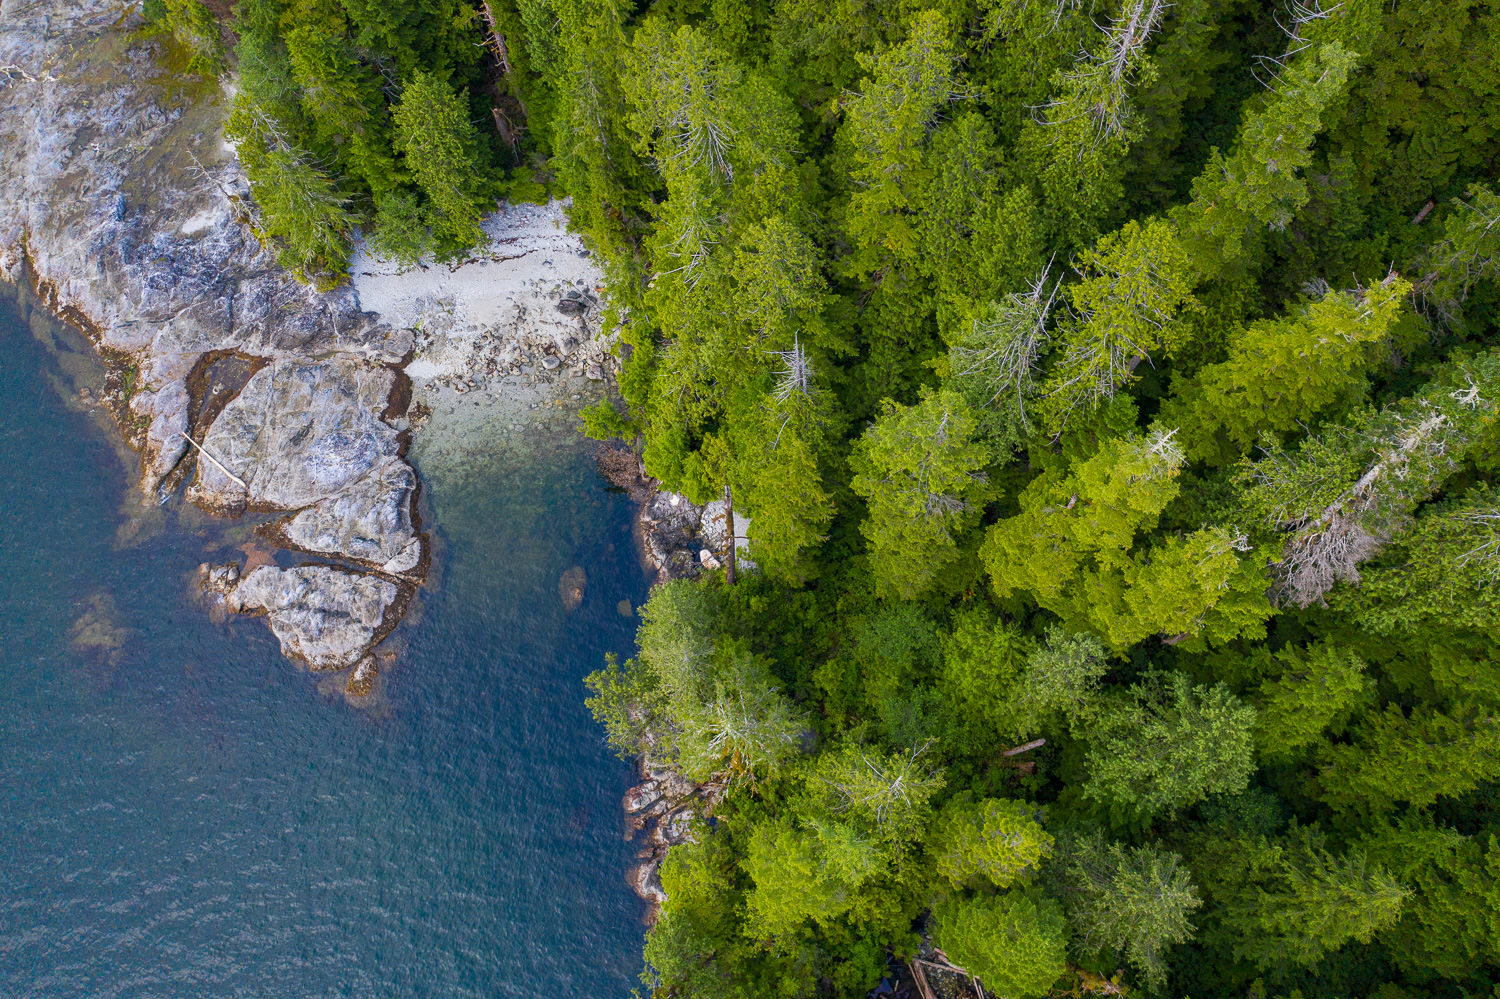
x: 570, y: 587
x: 325, y: 617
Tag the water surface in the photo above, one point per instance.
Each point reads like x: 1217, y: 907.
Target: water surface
x: 184, y: 813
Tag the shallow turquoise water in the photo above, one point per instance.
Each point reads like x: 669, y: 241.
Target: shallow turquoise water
x: 189, y: 815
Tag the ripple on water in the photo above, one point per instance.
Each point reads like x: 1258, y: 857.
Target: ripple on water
x: 196, y: 819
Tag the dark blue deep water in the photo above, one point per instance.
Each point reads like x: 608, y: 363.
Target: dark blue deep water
x: 183, y: 813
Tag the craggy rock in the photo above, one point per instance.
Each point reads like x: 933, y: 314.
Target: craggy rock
x: 369, y: 521
x: 665, y: 806
x: 309, y: 436
x: 679, y: 539
x: 326, y: 618
x: 117, y: 189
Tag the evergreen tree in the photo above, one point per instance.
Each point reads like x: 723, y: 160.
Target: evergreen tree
x: 921, y: 473
x: 999, y: 840
x: 1013, y: 942
x: 1168, y: 744
x: 434, y: 135
x: 1302, y: 901
x: 1135, y: 902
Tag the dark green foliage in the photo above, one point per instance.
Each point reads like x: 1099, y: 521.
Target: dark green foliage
x: 1113, y: 393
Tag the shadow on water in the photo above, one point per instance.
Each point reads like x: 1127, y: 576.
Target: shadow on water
x: 185, y: 814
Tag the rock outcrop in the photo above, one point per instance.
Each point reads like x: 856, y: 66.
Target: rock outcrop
x: 325, y: 617
x: 679, y: 538
x: 120, y: 196
x: 661, y: 812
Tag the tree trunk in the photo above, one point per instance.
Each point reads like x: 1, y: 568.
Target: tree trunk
x: 729, y: 566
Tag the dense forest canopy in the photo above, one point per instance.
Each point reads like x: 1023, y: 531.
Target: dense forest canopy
x: 1112, y: 373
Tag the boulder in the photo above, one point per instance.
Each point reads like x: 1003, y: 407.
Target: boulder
x: 324, y: 617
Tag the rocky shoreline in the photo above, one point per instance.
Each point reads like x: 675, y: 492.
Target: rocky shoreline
x: 246, y: 392
x: 123, y: 207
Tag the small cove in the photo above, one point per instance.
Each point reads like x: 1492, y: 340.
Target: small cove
x: 186, y: 813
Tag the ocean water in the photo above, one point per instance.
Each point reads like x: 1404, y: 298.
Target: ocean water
x: 183, y: 813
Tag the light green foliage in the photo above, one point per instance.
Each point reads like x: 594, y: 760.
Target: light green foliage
x: 1300, y: 901
x: 1014, y: 943
x: 703, y: 696
x: 888, y: 793
x: 1133, y: 901
x: 434, y: 135
x: 886, y: 126
x: 1417, y: 758
x: 1135, y: 287
x: 1282, y: 373
x: 1168, y: 744
x: 992, y: 362
x: 1443, y: 574
x: 808, y: 873
x: 1078, y: 142
x: 1259, y: 186
x: 922, y: 474
x: 1083, y: 521
x: 983, y: 661
x: 1072, y: 550
x: 1316, y: 689
x: 994, y: 839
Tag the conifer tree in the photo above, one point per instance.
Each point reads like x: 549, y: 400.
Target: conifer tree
x: 1168, y: 744
x: 922, y: 474
x: 434, y: 135
x: 1317, y: 688
x: 1282, y: 373
x: 1304, y: 901
x: 1014, y: 943
x: 1344, y: 493
x: 1134, y: 901
x: 996, y: 839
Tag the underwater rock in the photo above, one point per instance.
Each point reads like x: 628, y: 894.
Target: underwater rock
x: 98, y: 633
x: 324, y: 617
x: 570, y: 587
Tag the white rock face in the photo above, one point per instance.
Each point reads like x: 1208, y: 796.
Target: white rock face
x: 130, y: 211
x: 324, y: 617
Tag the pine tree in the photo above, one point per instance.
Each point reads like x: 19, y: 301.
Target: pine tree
x: 1136, y: 285
x: 1132, y: 901
x: 434, y: 135
x: 922, y: 474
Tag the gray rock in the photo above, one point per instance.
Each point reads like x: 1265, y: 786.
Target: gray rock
x: 127, y: 205
x: 299, y: 433
x: 369, y: 521
x: 551, y: 363
x: 324, y: 617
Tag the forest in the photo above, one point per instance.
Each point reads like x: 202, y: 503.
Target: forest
x: 1112, y: 389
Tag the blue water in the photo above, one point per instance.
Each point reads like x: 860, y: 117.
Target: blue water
x: 183, y: 813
